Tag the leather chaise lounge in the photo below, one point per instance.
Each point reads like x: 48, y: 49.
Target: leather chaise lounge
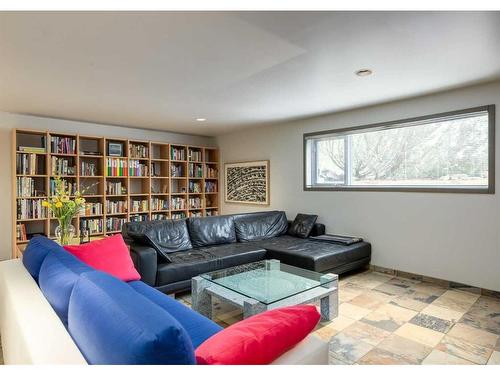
x: 169, y: 253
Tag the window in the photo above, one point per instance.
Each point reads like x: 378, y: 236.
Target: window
x: 452, y: 152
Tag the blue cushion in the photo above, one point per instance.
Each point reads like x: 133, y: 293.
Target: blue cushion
x: 198, y: 327
x: 113, y: 324
x: 59, y: 273
x: 35, y: 253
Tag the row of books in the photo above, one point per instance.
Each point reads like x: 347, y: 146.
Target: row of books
x: 31, y: 209
x: 210, y: 187
x: 116, y: 207
x: 21, y: 234
x: 34, y: 150
x: 177, y: 153
x: 139, y: 205
x: 94, y: 226
x: 89, y: 168
x: 63, y: 145
x: 159, y: 216
x: 71, y: 186
x: 195, y: 155
x: 156, y: 170
x: 178, y: 203
x: 136, y: 168
x: 138, y: 151
x: 115, y: 188
x: 61, y: 166
x: 116, y: 167
x: 178, y: 215
x: 91, y: 208
x: 211, y: 172
x: 30, y: 164
x: 195, y: 213
x: 176, y: 170
x: 211, y: 212
x: 194, y: 187
x: 195, y: 202
x: 114, y: 224
x: 26, y: 187
x: 158, y: 204
x: 195, y: 170
x: 140, y: 217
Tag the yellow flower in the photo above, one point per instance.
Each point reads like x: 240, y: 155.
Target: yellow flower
x: 58, y: 204
x: 64, y: 198
x: 45, y: 204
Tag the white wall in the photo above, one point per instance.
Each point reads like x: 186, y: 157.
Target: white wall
x: 449, y: 236
x: 9, y: 121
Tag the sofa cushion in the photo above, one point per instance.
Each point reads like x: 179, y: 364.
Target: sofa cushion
x: 313, y: 255
x: 35, y: 254
x: 198, y: 327
x: 110, y: 255
x: 113, y: 324
x: 165, y: 236
x: 190, y: 263
x: 260, y: 339
x: 260, y: 225
x: 302, y: 225
x: 211, y: 230
x: 59, y: 272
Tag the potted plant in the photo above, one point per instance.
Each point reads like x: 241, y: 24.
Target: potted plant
x: 64, y: 209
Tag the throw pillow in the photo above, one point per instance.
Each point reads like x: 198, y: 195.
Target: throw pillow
x: 260, y: 339
x: 110, y: 255
x: 302, y: 225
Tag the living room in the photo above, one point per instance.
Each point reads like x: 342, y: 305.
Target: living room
x: 198, y: 185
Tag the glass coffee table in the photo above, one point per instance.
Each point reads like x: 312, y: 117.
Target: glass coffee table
x: 265, y: 285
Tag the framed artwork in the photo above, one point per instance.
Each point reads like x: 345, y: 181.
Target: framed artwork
x: 247, y: 182
x: 115, y: 149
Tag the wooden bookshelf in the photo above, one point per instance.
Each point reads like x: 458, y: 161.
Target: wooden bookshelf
x: 147, y: 180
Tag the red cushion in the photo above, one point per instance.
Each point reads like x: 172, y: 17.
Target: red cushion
x: 109, y: 255
x: 260, y: 339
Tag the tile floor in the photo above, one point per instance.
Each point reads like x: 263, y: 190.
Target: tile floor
x: 393, y: 320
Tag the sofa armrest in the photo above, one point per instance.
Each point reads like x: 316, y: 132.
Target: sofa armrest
x: 145, y: 261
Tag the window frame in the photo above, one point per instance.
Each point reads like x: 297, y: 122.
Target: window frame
x: 490, y: 189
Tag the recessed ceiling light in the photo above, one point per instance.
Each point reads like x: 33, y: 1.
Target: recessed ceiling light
x: 364, y: 72
x: 201, y: 119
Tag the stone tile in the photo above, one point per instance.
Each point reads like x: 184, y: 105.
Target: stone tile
x: 348, y: 349
x: 346, y: 295
x: 370, y: 281
x: 463, y: 349
x: 497, y: 347
x: 382, y: 321
x: 438, y: 357
x: 403, y: 282
x: 366, y: 333
x: 408, y: 302
x: 409, y: 275
x: 409, y: 350
x: 325, y: 333
x: 336, y: 362
x: 422, y: 335
x: 340, y: 323
x: 474, y: 335
x: 455, y: 300
x: 487, y: 308
x: 494, y: 358
x: 432, y: 322
x: 421, y: 295
x: 378, y: 356
x: 398, y: 314
x: 442, y: 313
x: 490, y: 293
x: 353, y: 311
x: 433, y: 280
x: 490, y: 325
x: 464, y: 288
x: 390, y: 289
x: 429, y: 288
x: 371, y: 299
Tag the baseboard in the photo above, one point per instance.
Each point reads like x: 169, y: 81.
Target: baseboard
x: 442, y: 282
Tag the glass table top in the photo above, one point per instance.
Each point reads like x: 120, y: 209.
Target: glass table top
x: 267, y: 281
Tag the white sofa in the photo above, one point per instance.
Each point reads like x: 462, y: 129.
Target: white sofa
x: 33, y: 334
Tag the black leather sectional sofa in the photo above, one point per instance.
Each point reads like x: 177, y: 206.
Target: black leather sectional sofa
x: 169, y: 253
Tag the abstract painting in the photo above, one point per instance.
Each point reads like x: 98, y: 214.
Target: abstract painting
x: 247, y: 182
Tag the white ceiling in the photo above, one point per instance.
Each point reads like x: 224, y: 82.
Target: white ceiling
x: 161, y: 70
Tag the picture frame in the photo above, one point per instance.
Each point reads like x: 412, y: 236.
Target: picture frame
x: 115, y: 149
x: 247, y: 182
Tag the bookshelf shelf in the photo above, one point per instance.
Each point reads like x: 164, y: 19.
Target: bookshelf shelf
x: 164, y: 177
